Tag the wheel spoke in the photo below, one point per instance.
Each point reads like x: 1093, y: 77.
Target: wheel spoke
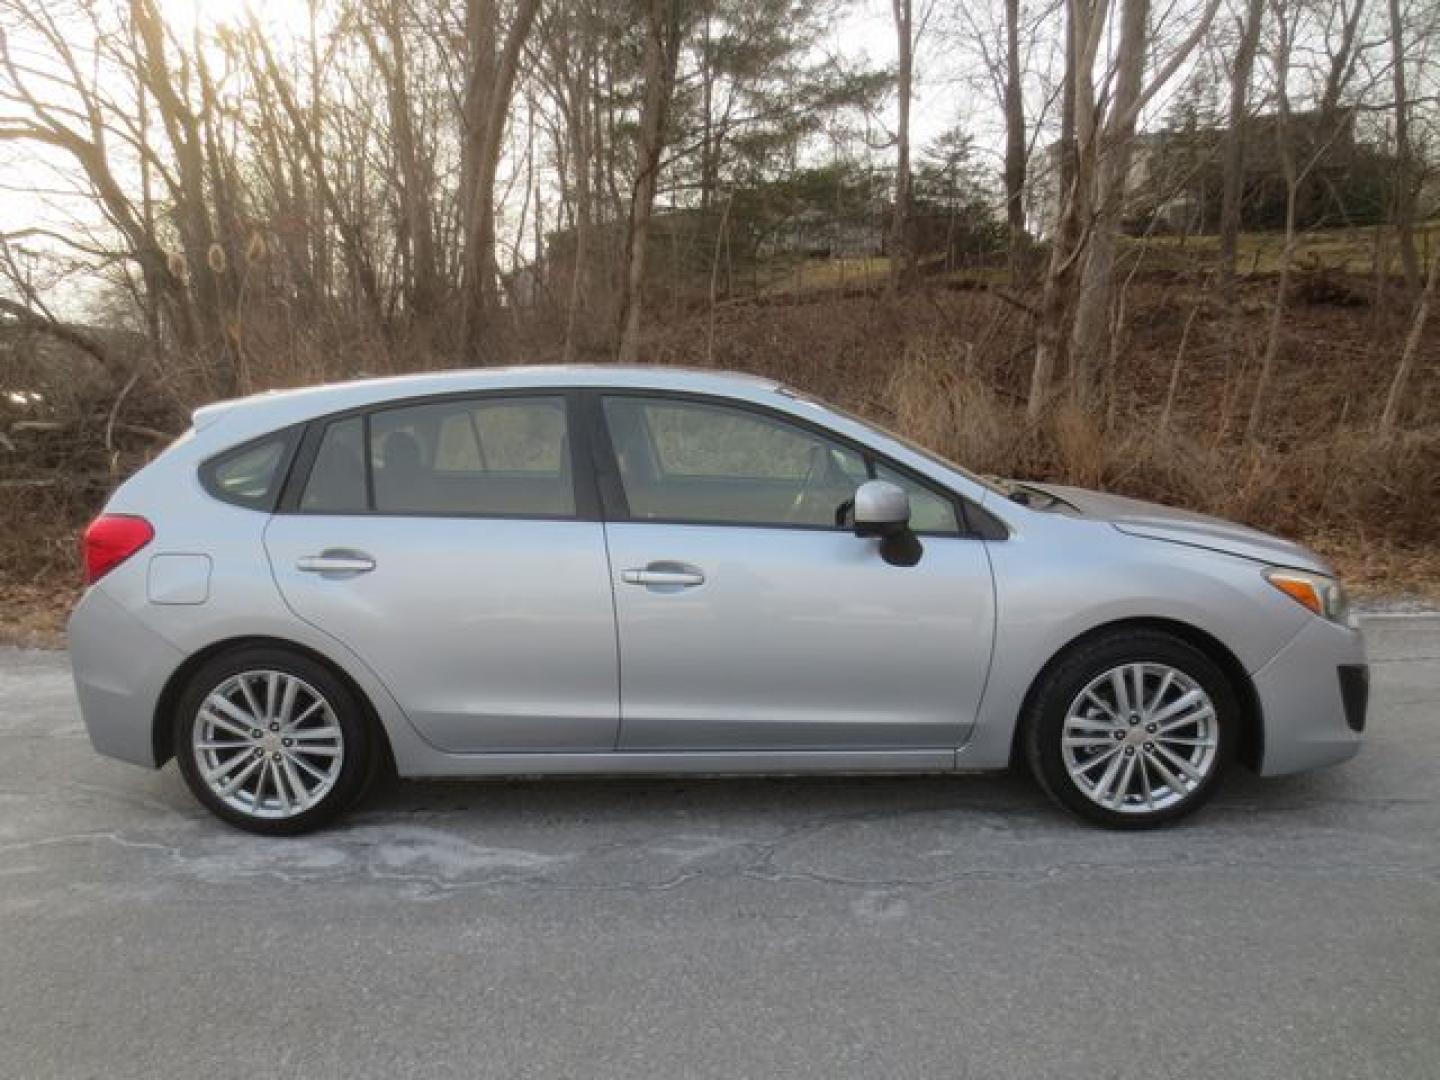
x: 234, y: 712
x: 296, y: 781
x: 309, y: 768
x: 1205, y: 712
x: 233, y: 784
x: 1182, y: 704
x: 1122, y: 694
x: 1087, y: 740
x: 317, y: 751
x: 310, y: 710
x: 277, y: 776
x: 287, y: 702
x: 1105, y: 755
x: 272, y: 694
x: 220, y: 747
x: 1122, y: 786
x: 1165, y: 683
x: 315, y: 733
x: 1206, y: 742
x: 1180, y: 763
x: 249, y: 695
x: 1145, y: 782
x: 1173, y: 782
x: 226, y: 767
x: 1092, y: 723
x: 1091, y: 697
x: 1108, y: 777
x: 243, y: 731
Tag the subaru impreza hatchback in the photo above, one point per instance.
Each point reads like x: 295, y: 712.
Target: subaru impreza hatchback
x: 642, y: 570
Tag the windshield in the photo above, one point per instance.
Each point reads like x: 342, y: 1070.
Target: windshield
x: 989, y: 483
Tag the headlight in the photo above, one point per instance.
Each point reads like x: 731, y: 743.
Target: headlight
x: 1323, y: 595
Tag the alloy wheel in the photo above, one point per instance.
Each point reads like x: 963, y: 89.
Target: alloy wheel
x: 268, y: 744
x: 1140, y: 738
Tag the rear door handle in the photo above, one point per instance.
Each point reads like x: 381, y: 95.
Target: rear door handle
x: 661, y: 575
x: 336, y: 562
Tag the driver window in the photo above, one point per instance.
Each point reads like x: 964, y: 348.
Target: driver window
x: 697, y: 462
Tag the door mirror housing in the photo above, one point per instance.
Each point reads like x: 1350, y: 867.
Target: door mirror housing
x: 880, y: 509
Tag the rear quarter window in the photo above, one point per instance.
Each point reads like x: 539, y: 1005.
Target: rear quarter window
x: 250, y: 475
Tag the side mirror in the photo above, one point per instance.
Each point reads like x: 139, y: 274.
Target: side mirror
x: 880, y: 509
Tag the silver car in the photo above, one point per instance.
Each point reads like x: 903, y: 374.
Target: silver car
x: 643, y: 570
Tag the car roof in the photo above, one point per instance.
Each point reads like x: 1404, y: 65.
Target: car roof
x: 280, y: 407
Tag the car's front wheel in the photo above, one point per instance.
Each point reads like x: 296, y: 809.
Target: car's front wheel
x: 1131, y: 729
x: 271, y: 741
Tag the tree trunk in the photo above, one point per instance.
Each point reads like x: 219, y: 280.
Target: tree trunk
x: 1233, y: 162
x: 1403, y: 198
x: 662, y: 53
x: 1067, y: 231
x: 1286, y: 152
x: 1396, y: 395
x: 581, y: 152
x: 415, y: 234
x: 489, y: 87
x: 1019, y: 240
x: 901, y: 257
x: 1097, y: 281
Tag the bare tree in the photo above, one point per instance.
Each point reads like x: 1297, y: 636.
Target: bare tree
x: 901, y: 257
x: 662, y: 51
x: 1233, y: 157
x: 1114, y: 128
x: 493, y: 59
x: 1401, y: 379
x: 1402, y: 202
x: 1016, y: 148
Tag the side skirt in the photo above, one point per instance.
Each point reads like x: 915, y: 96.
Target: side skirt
x: 665, y: 762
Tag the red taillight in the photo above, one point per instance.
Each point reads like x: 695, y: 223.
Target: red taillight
x: 110, y: 540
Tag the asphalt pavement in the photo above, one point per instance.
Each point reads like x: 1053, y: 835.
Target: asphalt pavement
x: 949, y: 927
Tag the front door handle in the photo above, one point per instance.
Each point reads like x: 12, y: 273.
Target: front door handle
x: 336, y: 562
x: 664, y: 575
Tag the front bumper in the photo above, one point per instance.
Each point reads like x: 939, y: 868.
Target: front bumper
x: 1312, y: 698
x: 120, y: 668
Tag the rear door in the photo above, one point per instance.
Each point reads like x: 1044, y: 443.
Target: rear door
x: 455, y: 547
x: 749, y: 620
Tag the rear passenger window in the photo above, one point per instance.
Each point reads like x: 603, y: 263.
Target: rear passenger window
x: 499, y: 456
x: 337, y: 479
x: 250, y: 475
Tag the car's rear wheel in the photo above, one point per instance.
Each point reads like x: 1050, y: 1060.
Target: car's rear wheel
x: 271, y: 741
x: 1131, y: 729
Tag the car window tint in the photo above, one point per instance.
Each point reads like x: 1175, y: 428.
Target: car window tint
x: 691, y: 461
x: 930, y: 512
x: 503, y: 456
x: 249, y: 476
x: 337, y: 479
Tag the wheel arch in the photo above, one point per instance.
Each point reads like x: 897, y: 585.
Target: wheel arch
x: 1250, y: 750
x: 162, y: 726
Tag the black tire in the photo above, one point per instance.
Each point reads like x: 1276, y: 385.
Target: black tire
x: 361, y: 761
x: 1067, y: 676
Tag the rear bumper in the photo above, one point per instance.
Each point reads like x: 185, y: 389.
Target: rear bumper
x: 120, y: 668
x: 1313, y: 696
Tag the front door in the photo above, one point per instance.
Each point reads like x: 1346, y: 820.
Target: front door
x: 748, y: 620
x: 444, y: 544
